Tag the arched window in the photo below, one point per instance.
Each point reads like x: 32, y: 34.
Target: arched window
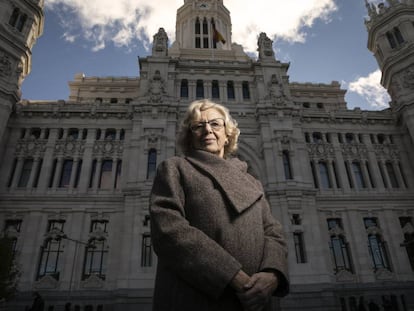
x: 230, y: 90
x: 184, y: 88
x: 200, y: 89
x: 152, y: 163
x: 215, y: 91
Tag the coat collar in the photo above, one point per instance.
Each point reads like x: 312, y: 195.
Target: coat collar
x: 231, y: 175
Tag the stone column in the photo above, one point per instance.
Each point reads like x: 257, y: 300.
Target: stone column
x: 17, y: 172
x: 97, y: 174
x: 73, y: 174
x: 332, y: 174
x: 58, y: 173
x: 33, y: 173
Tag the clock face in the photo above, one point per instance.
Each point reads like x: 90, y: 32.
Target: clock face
x: 203, y: 5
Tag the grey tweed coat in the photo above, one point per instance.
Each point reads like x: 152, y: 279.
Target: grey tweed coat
x: 209, y: 219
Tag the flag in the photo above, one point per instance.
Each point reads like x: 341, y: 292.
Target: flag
x: 217, y: 36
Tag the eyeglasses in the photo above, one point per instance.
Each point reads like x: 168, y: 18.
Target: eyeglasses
x: 215, y: 124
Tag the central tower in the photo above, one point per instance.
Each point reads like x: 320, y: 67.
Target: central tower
x: 203, y: 24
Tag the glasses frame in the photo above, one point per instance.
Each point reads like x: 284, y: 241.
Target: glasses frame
x: 198, y: 127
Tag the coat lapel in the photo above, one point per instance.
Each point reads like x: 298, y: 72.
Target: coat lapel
x: 231, y: 176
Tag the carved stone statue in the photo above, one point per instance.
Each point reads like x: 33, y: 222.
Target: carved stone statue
x: 265, y: 47
x: 160, y: 44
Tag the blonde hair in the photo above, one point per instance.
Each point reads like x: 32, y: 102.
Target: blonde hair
x: 184, y: 140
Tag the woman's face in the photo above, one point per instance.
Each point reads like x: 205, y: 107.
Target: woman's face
x: 209, y: 133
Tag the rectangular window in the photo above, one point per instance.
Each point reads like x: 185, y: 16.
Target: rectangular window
x: 106, y: 175
x: 66, y: 174
x: 407, y: 228
x: 51, y: 252
x: 146, y: 250
x: 230, y: 90
x: 339, y: 247
x: 299, y: 247
x: 359, y: 178
x: 95, y: 259
x: 324, y: 175
x: 215, y: 91
x: 200, y: 89
x: 377, y: 246
x: 246, y: 90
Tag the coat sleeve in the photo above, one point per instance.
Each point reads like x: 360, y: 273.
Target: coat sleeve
x: 182, y: 248
x: 275, y: 250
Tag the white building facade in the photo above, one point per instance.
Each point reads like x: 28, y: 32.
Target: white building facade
x: 75, y: 175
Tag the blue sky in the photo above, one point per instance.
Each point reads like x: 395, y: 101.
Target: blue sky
x: 323, y: 40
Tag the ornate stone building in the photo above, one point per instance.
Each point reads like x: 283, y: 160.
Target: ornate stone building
x: 75, y: 175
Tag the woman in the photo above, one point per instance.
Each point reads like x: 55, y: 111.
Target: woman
x: 218, y: 246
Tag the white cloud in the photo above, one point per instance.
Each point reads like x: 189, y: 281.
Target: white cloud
x: 371, y: 90
x: 123, y: 22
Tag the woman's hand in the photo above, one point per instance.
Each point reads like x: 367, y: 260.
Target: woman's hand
x: 258, y: 290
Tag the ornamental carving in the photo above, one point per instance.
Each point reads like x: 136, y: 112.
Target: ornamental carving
x: 321, y: 150
x: 345, y: 276
x: 5, y: 66
x: 153, y: 137
x: 31, y: 148
x: 108, y: 148
x: 93, y: 281
x: 276, y: 90
x: 387, y: 151
x: 156, y: 88
x: 70, y: 148
x: 408, y: 78
x: 383, y: 274
x: 46, y: 282
x: 354, y: 150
